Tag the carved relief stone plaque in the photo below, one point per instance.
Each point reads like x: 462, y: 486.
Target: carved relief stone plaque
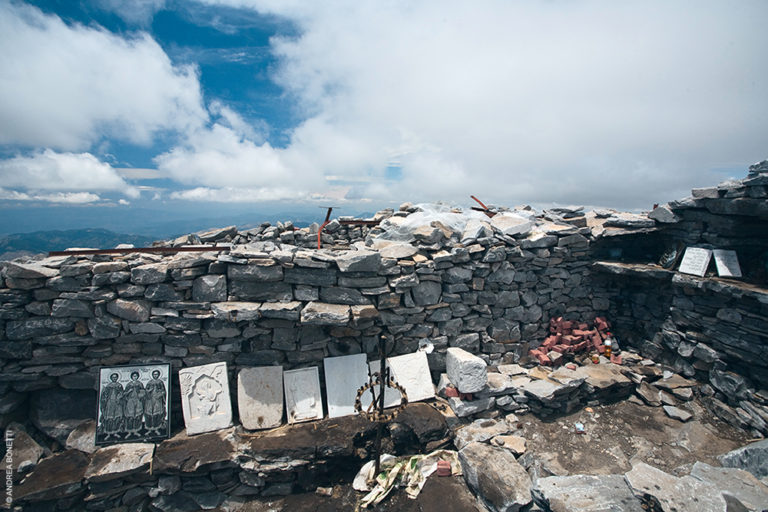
x: 205, y: 398
x: 302, y: 395
x: 260, y: 397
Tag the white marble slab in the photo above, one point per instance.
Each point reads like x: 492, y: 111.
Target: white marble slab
x: 412, y: 372
x: 391, y: 396
x: 260, y: 397
x: 695, y: 261
x: 727, y: 263
x: 302, y: 395
x: 205, y: 398
x: 343, y: 377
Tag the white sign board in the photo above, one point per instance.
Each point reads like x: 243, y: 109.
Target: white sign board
x: 727, y: 263
x: 302, y: 395
x: 343, y: 377
x: 695, y: 261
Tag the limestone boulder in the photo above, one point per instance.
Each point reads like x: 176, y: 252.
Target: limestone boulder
x: 587, y: 493
x: 466, y: 371
x: 118, y: 461
x: 495, y: 475
x: 319, y: 313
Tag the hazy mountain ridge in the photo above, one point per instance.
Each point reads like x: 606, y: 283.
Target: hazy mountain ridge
x: 19, y: 244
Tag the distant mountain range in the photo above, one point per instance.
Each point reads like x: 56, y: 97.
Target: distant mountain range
x: 20, y: 244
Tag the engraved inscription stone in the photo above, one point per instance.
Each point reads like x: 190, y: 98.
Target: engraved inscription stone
x: 260, y: 397
x: 695, y: 261
x: 205, y: 398
x: 727, y: 263
x: 412, y: 372
x: 302, y: 395
x: 343, y: 377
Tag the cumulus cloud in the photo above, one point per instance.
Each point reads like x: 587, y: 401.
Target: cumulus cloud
x: 237, y: 195
x: 49, y: 170
x: 67, y: 86
x: 613, y: 103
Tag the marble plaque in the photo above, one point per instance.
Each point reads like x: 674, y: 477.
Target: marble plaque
x: 727, y: 263
x: 133, y: 404
x: 412, y: 372
x: 695, y: 261
x: 302, y: 395
x: 343, y: 377
x: 260, y: 397
x: 391, y: 396
x: 205, y: 398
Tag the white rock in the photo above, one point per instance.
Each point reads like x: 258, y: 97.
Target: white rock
x: 466, y: 371
x: 260, y: 397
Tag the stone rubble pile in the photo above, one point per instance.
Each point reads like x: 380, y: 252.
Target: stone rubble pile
x: 571, y: 337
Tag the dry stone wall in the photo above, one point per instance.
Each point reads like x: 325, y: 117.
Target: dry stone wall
x: 266, y: 303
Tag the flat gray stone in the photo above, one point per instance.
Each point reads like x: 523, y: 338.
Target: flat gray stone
x: 28, y: 270
x: 118, y: 461
x: 685, y: 494
x: 464, y: 408
x: 677, y: 413
x: 750, y: 491
x: 236, y: 311
x: 398, y: 251
x: 480, y: 431
x: 302, y: 395
x: 260, y: 397
x: 495, y: 475
x: 205, y: 399
x: 268, y: 271
x: 585, y: 493
x: 131, y: 310
x: 426, y: 293
x: 752, y: 457
x: 149, y: 274
x: 83, y: 437
x: 511, y: 224
x: 319, y: 313
x: 210, y: 288
x: 359, y: 261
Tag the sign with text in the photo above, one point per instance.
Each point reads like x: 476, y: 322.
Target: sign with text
x: 727, y: 263
x: 695, y: 261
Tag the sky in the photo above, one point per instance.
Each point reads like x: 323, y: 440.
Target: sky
x: 124, y: 114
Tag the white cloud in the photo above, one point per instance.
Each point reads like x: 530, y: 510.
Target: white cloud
x: 139, y: 12
x: 59, y: 197
x: 614, y: 103
x: 67, y: 86
x: 49, y: 170
x: 238, y: 195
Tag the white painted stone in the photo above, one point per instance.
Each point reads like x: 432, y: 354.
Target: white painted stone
x: 205, y: 398
x: 727, y: 263
x: 412, y: 372
x: 260, y: 397
x: 695, y: 261
x: 343, y: 377
x: 466, y: 371
x: 391, y: 396
x: 302, y: 395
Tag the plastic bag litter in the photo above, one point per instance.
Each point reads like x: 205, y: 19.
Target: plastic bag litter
x: 410, y: 471
x: 401, y: 228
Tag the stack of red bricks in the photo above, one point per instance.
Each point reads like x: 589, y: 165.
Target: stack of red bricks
x: 568, y: 336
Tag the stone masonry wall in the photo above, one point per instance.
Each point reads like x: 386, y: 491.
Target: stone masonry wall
x: 270, y: 303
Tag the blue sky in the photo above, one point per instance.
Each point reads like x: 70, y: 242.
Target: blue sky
x: 133, y: 114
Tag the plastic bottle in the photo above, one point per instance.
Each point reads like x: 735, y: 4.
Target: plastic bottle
x: 608, y: 345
